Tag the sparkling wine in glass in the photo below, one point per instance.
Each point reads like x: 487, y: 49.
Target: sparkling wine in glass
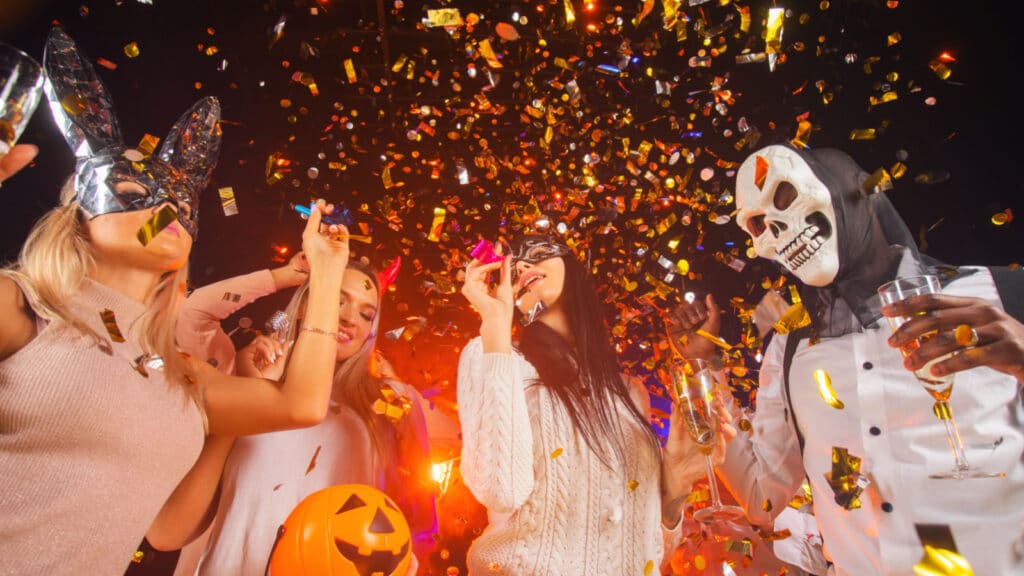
x: 21, y: 87
x: 693, y: 386
x: 939, y: 387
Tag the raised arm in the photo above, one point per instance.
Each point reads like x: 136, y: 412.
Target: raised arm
x: 237, y: 405
x: 193, y: 504
x: 765, y: 465
x: 199, y: 321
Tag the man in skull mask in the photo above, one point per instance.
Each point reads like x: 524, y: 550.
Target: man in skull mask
x: 868, y: 456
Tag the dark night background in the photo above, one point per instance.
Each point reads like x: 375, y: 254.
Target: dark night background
x: 961, y: 153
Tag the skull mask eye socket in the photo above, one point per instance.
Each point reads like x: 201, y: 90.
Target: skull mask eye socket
x: 755, y: 225
x: 785, y: 194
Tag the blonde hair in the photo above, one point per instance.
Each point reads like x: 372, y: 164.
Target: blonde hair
x: 55, y: 261
x: 356, y: 384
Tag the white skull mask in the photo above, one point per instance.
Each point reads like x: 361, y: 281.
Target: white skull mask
x: 788, y: 212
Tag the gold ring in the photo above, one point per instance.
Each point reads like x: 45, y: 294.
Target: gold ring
x: 965, y: 335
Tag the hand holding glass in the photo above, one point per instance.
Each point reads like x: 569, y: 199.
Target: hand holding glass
x: 21, y: 87
x: 693, y: 386
x: 939, y: 387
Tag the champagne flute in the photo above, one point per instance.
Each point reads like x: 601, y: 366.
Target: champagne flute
x: 21, y: 87
x: 693, y: 386
x: 939, y: 387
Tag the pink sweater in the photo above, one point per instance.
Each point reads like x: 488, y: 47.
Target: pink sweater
x: 89, y: 447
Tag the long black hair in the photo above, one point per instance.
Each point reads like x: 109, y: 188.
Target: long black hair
x: 585, y: 378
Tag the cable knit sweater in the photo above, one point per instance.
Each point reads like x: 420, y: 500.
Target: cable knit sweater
x: 553, y: 507
x: 90, y: 448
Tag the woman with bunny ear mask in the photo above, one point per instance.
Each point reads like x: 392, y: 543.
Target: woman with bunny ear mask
x: 101, y: 415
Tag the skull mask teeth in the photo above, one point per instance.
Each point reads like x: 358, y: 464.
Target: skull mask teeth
x: 788, y: 212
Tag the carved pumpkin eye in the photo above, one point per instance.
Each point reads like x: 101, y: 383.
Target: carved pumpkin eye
x: 345, y: 530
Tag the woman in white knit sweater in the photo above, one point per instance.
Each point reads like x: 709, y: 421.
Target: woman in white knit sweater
x: 556, y: 441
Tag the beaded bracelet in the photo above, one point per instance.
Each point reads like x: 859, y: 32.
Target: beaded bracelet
x: 319, y: 331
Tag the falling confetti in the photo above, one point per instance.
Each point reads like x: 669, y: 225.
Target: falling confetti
x: 156, y: 223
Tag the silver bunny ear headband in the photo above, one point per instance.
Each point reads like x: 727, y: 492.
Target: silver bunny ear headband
x: 84, y: 113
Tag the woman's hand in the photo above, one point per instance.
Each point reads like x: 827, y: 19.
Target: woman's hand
x: 325, y: 247
x: 293, y: 273
x: 683, y: 322
x: 494, y: 303
x: 16, y: 158
x: 264, y: 357
x: 1000, y: 338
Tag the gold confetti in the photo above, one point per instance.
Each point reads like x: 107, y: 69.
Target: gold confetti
x: 131, y: 49
x: 940, y: 562
x: 940, y: 69
x: 312, y: 461
x: 649, y: 567
x: 795, y: 317
x: 392, y: 405
x: 1002, y: 218
x: 488, y: 53
x: 773, y: 35
x: 880, y: 181
x: 556, y: 453
x: 156, y: 224
x: 443, y: 17
x: 828, y: 394
x: 863, y: 134
x: 714, y: 339
x: 761, y: 171
x: 138, y: 556
x: 845, y: 478
x: 941, y: 557
x: 350, y: 71
x: 147, y: 145
x: 437, y: 225
x: 631, y: 485
x: 745, y: 547
x: 110, y: 323
x: 570, y: 14
x: 227, y: 201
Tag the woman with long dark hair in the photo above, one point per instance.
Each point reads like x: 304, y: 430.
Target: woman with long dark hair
x: 556, y: 440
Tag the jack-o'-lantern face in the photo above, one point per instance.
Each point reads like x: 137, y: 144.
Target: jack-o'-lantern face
x: 365, y: 532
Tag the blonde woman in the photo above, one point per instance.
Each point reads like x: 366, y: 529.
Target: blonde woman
x: 359, y: 442
x: 100, y: 415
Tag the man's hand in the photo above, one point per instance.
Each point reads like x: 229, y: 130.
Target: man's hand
x: 685, y: 320
x: 1000, y: 338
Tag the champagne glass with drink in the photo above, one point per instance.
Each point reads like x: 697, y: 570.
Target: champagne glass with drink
x: 21, y: 87
x: 694, y: 389
x: 939, y: 387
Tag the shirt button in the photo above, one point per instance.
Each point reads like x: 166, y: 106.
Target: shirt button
x: 868, y: 365
x: 886, y: 507
x: 875, y: 430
